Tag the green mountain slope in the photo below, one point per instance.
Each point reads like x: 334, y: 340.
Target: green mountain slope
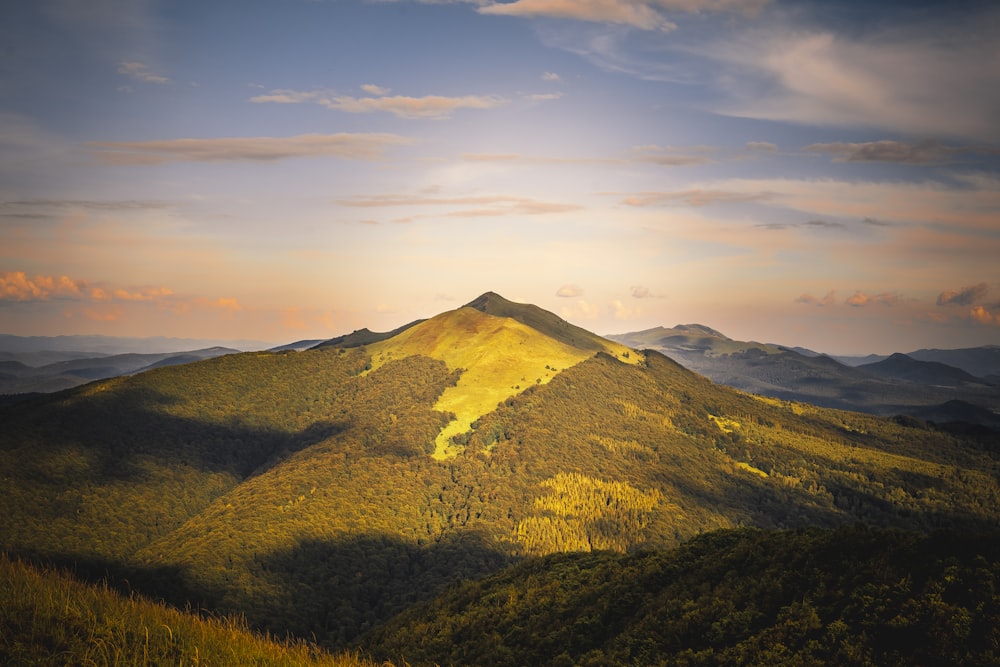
x: 302, y: 489
x: 847, y: 597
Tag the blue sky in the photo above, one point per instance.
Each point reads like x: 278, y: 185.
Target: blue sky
x: 817, y: 174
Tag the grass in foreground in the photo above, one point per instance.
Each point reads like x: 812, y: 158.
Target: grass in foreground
x: 48, y: 618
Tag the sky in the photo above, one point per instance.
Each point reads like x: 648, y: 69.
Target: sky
x: 823, y: 174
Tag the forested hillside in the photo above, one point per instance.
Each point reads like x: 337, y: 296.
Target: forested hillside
x: 306, y: 492
x: 853, y: 596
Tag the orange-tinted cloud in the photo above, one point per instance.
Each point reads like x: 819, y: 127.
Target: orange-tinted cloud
x: 827, y: 300
x: 860, y: 299
x: 983, y: 316
x: 17, y: 286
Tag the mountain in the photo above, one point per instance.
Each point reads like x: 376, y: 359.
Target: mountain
x: 982, y: 362
x: 297, y: 346
x: 903, y: 367
x: 880, y: 385
x: 363, y: 337
x: 19, y: 378
x: 978, y: 361
x: 318, y: 494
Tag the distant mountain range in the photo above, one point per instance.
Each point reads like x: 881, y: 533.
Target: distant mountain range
x: 885, y: 385
x: 18, y: 377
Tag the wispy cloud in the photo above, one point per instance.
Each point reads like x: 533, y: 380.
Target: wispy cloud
x: 140, y: 72
x: 929, y: 151
x: 642, y: 14
x: 929, y: 79
x: 481, y: 205
x: 860, y: 299
x: 814, y: 224
x: 762, y: 146
x: 965, y: 296
x: 432, y: 107
x: 827, y: 300
x: 550, y: 76
x: 695, y: 197
x: 358, y: 146
x: 670, y: 156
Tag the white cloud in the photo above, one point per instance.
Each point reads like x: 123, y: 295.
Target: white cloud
x: 378, y: 91
x: 550, y: 76
x: 939, y: 79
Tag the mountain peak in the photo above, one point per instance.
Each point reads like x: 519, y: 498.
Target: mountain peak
x: 487, y: 300
x: 700, y: 329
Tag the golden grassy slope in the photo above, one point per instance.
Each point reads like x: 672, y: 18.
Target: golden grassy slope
x: 48, y: 618
x: 501, y: 358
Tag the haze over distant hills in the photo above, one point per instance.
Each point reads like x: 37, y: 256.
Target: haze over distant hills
x: 322, y: 493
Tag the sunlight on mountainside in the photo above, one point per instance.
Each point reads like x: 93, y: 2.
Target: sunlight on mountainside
x: 501, y: 358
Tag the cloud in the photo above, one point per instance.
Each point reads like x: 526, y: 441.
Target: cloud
x: 620, y: 311
x: 814, y: 224
x: 104, y: 314
x: 544, y: 97
x: 973, y: 205
x: 140, y: 72
x: 669, y: 156
x: 965, y: 296
x: 635, y: 14
x: 641, y: 292
x: 569, y: 291
x: 550, y: 76
x: 927, y: 77
x: 827, y: 300
x: 762, y: 146
x: 981, y: 315
x: 357, y: 146
x: 929, y: 151
x: 695, y: 197
x: 86, y: 204
x: 378, y: 91
x: 148, y: 294
x: 860, y: 299
x: 434, y: 107
x: 582, y: 310
x: 17, y: 286
x: 641, y: 14
x: 488, y: 205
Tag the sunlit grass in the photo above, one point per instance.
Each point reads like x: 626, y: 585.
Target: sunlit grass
x: 501, y: 358
x: 46, y: 617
